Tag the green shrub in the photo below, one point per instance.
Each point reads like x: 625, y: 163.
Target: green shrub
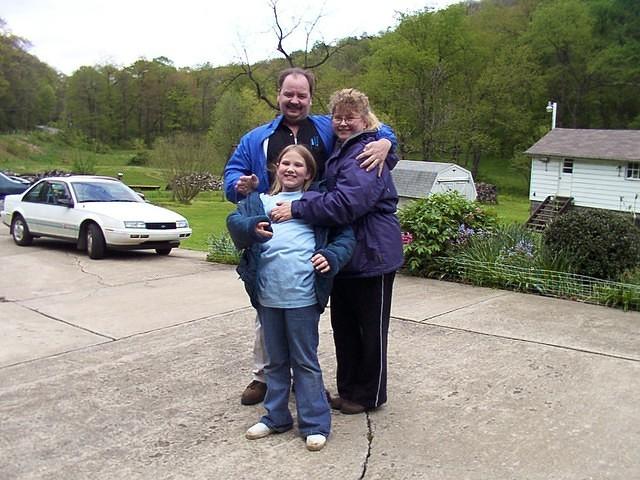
x: 436, y: 224
x: 83, y: 162
x: 142, y: 155
x: 222, y: 250
x: 596, y: 243
x: 140, y: 159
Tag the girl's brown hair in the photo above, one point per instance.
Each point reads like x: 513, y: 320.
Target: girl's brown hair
x: 309, y: 161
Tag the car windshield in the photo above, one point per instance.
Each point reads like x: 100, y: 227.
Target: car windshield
x: 104, y: 192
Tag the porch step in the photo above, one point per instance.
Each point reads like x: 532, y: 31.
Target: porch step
x: 547, y: 211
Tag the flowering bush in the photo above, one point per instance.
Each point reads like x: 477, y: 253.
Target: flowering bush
x: 436, y: 224
x: 511, y: 244
x: 521, y: 253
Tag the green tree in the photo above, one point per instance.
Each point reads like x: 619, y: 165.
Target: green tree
x: 236, y: 113
x: 27, y: 86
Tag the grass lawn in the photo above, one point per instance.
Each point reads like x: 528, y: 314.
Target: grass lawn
x: 511, y: 208
x: 207, y: 215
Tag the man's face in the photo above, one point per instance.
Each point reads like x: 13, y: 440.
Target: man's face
x: 294, y: 98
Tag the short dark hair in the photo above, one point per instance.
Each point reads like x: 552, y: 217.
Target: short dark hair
x: 308, y: 74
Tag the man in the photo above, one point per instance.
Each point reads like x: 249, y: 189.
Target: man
x: 248, y: 168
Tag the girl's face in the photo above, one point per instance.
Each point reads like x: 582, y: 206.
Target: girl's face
x: 292, y: 172
x: 347, y: 123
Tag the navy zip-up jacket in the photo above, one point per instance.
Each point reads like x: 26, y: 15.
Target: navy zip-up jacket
x: 336, y: 244
x: 365, y: 201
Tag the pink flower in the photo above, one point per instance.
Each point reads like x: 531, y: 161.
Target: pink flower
x: 407, y: 238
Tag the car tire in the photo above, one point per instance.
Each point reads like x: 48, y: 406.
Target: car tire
x: 163, y: 251
x: 96, y: 246
x: 20, y: 232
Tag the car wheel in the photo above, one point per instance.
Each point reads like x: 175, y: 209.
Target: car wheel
x: 163, y: 251
x: 96, y: 247
x: 20, y: 232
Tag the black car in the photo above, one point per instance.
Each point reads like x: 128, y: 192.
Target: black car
x: 9, y: 186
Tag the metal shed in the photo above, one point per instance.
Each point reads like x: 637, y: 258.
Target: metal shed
x: 419, y: 179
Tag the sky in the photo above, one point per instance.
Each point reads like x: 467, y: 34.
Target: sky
x: 68, y: 34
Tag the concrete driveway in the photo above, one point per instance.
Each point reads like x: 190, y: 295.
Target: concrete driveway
x: 132, y: 367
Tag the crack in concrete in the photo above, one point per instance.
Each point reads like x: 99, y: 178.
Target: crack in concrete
x: 79, y: 263
x: 369, y: 444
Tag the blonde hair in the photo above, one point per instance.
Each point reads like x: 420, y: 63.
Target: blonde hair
x: 352, y: 100
x: 310, y: 163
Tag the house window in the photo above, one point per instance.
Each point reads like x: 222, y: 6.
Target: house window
x: 567, y: 165
x: 633, y: 170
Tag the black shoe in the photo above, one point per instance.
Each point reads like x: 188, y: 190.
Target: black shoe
x: 254, y: 393
x: 351, y: 408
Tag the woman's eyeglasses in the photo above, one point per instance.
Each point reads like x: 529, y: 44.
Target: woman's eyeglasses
x: 347, y: 120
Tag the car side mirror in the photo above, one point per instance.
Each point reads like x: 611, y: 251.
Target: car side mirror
x: 67, y: 202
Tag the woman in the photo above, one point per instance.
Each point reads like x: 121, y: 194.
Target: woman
x: 361, y: 294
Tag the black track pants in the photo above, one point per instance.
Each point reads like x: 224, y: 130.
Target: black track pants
x: 360, y: 310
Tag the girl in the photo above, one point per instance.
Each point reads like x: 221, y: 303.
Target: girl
x: 361, y: 296
x: 288, y: 270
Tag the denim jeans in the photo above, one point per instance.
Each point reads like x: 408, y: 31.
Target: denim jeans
x: 291, y: 339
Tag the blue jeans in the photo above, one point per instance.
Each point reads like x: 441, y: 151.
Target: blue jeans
x: 291, y: 339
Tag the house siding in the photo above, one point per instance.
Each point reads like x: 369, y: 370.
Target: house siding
x: 593, y: 183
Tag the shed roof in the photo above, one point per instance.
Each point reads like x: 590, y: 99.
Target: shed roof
x: 415, y: 179
x: 591, y: 143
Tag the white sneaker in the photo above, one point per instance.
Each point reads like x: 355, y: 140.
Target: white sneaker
x: 316, y: 442
x: 259, y: 430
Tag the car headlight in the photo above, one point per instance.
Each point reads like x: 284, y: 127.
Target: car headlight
x: 182, y: 224
x: 134, y: 224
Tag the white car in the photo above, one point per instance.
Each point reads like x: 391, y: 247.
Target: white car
x: 97, y: 213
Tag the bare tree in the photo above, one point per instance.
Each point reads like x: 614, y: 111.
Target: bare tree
x: 322, y: 51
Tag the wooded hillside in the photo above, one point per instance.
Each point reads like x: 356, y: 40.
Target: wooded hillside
x: 459, y: 84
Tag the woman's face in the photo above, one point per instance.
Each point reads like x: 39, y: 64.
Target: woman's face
x: 347, y: 122
x: 292, y: 172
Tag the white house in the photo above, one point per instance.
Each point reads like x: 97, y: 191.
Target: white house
x: 596, y: 168
x: 418, y: 179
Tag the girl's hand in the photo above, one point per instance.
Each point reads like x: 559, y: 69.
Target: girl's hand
x: 320, y: 263
x: 281, y: 212
x: 263, y: 229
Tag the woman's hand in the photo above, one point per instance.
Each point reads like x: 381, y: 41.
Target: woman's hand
x: 263, y: 229
x: 374, y: 154
x: 281, y: 212
x: 320, y: 263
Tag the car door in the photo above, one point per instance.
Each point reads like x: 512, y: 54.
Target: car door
x: 46, y: 211
x: 33, y: 209
x: 62, y: 215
